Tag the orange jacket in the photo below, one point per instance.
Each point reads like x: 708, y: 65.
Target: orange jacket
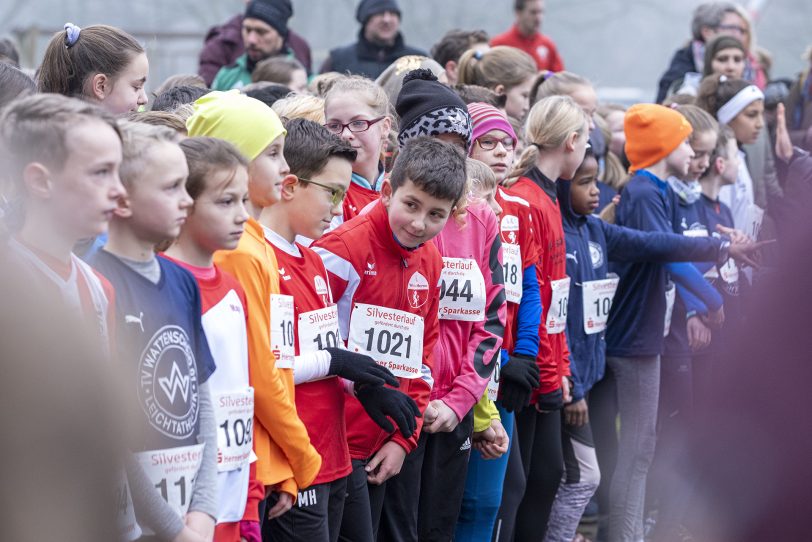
x: 284, y: 453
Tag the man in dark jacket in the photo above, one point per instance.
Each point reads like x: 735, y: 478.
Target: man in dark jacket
x: 379, y: 41
x: 223, y: 45
x: 710, y: 20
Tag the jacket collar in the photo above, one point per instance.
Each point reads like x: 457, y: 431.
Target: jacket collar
x: 541, y: 180
x: 379, y: 217
x: 371, y: 51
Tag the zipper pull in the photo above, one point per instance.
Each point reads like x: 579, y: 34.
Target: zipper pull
x: 405, y: 263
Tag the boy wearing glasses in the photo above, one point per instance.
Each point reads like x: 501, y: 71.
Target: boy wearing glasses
x: 312, y: 194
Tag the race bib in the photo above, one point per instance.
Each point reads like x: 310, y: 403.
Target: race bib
x: 670, y: 297
x: 234, y: 413
x: 598, y: 296
x: 462, y: 290
x: 493, y: 382
x: 282, y: 339
x: 557, y: 312
x: 755, y: 216
x: 319, y: 330
x: 729, y: 272
x: 173, y: 474
x: 512, y: 258
x: 391, y: 337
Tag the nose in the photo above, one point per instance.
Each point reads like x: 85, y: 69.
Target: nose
x: 142, y: 97
x: 500, y: 149
x: 186, y: 200
x: 117, y: 190
x: 418, y: 225
x: 242, y: 215
x: 337, y: 209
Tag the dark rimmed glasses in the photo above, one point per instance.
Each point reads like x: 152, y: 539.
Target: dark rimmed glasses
x: 354, y: 126
x: 489, y: 143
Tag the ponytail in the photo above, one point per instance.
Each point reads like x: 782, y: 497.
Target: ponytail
x: 716, y: 90
x: 74, y: 55
x: 500, y: 65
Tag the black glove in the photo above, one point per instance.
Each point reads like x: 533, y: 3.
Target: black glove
x: 359, y: 368
x: 517, y: 380
x: 380, y: 402
x: 551, y: 401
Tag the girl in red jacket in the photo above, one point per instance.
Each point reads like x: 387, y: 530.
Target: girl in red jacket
x: 557, y: 134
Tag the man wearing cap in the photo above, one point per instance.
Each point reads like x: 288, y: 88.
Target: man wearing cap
x: 264, y: 34
x: 379, y: 42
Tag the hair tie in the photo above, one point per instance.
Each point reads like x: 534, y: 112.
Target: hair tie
x: 674, y: 105
x: 478, y: 55
x: 71, y: 35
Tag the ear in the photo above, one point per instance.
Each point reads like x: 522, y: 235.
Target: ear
x: 719, y: 165
x: 123, y: 207
x: 289, y: 184
x: 451, y: 68
x: 499, y: 89
x: 569, y: 143
x: 386, y: 127
x: 37, y: 180
x: 99, y: 86
x: 386, y: 192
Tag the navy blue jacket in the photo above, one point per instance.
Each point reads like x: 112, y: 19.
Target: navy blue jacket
x: 591, y: 244
x: 637, y: 318
x: 681, y: 63
x: 685, y: 217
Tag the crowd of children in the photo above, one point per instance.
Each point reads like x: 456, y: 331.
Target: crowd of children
x: 336, y: 311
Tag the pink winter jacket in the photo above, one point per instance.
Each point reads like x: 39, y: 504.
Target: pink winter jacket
x: 465, y: 351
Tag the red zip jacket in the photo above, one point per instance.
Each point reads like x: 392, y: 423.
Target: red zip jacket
x: 540, y: 192
x: 515, y: 228
x: 466, y: 349
x: 366, y: 265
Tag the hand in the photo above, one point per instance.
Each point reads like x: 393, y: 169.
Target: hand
x: 380, y: 402
x: 201, y: 523
x: 565, y: 389
x: 386, y: 463
x: 783, y: 144
x: 714, y: 319
x: 616, y: 199
x: 517, y: 380
x: 699, y: 335
x: 282, y: 505
x: 481, y: 437
x: 429, y: 415
x: 359, y: 368
x: 747, y: 253
x: 188, y: 535
x: 736, y: 236
x: 445, y: 421
x: 577, y: 413
x: 498, y: 446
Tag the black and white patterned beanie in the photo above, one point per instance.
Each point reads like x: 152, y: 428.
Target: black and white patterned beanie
x: 427, y: 107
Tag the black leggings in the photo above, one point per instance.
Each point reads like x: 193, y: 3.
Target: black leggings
x: 543, y: 461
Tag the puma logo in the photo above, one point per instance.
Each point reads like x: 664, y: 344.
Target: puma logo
x: 130, y: 319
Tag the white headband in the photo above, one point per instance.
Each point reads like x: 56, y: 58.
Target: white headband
x: 737, y: 103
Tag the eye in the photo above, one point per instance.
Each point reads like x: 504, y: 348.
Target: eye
x: 332, y: 126
x: 358, y: 124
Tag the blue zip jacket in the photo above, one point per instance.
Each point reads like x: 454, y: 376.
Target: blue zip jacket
x: 591, y: 244
x: 637, y: 318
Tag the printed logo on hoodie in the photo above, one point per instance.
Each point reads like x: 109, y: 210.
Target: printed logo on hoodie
x: 418, y: 290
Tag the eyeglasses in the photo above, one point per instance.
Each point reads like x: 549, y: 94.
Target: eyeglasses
x: 336, y: 194
x: 488, y: 143
x: 733, y: 28
x: 354, y: 126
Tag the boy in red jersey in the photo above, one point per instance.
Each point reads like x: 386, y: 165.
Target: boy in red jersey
x: 320, y: 169
x: 385, y: 275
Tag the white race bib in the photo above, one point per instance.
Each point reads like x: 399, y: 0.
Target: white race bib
x: 173, y: 474
x: 282, y: 345
x: 755, y: 216
x: 557, y: 311
x: 462, y: 290
x: 512, y: 258
x: 493, y: 382
x: 319, y: 330
x: 391, y: 337
x: 234, y: 413
x: 670, y: 297
x: 598, y: 296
